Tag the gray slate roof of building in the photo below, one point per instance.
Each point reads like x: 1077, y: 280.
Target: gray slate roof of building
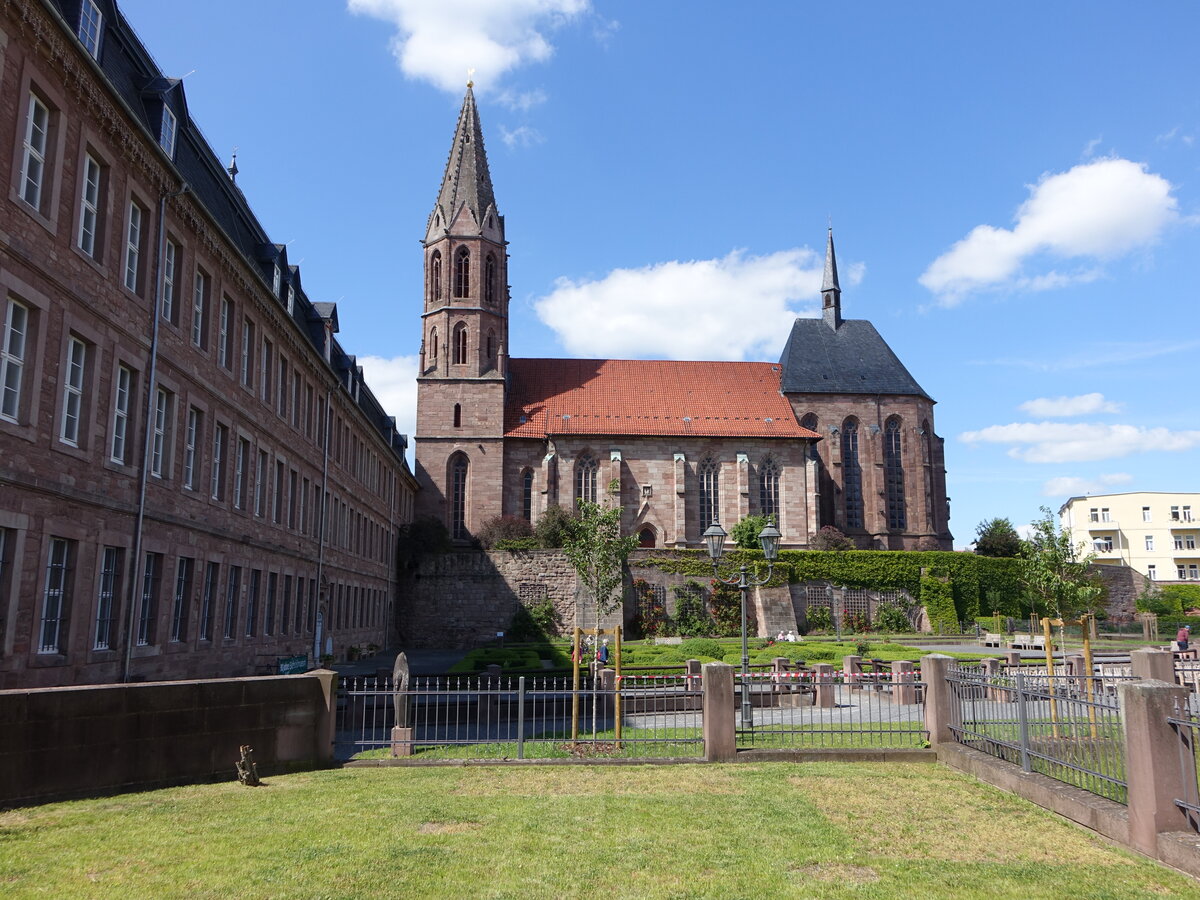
x: 853, y: 359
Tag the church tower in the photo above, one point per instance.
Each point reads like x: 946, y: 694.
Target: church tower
x: 461, y: 378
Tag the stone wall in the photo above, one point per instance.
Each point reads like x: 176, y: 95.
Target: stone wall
x: 1124, y: 584
x: 79, y: 741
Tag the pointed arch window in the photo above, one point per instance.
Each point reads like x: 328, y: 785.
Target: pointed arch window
x: 927, y: 446
x: 810, y: 422
x: 768, y: 489
x: 585, y: 478
x: 893, y: 475
x: 433, y: 345
x: 527, y: 495
x: 435, y: 276
x: 851, y: 475
x: 458, y: 415
x: 491, y: 345
x: 460, y: 344
x: 710, y: 492
x: 462, y: 272
x: 489, y: 279
x: 458, y: 497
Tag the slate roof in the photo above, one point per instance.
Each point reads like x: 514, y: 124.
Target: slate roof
x: 851, y: 359
x: 647, y: 397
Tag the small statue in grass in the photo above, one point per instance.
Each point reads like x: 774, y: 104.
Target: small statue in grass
x: 247, y: 770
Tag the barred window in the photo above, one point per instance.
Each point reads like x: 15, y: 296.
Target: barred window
x: 110, y: 573
x: 585, y: 478
x: 768, y: 489
x: 851, y: 475
x: 710, y: 492
x: 57, y: 601
x: 458, y: 498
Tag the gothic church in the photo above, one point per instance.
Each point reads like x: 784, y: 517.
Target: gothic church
x: 836, y: 433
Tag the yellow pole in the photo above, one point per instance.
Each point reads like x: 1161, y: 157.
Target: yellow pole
x: 575, y: 690
x: 1049, y: 636
x: 1085, y: 622
x: 617, y: 651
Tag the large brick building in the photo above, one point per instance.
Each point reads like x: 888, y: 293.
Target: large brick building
x: 837, y: 433
x: 194, y: 478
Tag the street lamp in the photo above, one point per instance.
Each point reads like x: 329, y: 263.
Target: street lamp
x: 714, y: 542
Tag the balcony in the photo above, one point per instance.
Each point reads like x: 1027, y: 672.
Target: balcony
x: 1105, y: 525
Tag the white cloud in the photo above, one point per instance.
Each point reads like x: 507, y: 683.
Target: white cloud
x: 1073, y: 486
x: 1082, y: 405
x: 1089, y: 149
x: 394, y: 384
x: 1057, y: 442
x: 1105, y: 353
x: 439, y: 40
x: 1097, y: 210
x: 735, y: 307
x: 521, y: 136
x: 521, y: 101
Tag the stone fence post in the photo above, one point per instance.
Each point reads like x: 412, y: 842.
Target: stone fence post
x: 938, y: 699
x: 904, y: 690
x: 824, y: 687
x: 325, y: 727
x: 720, y: 734
x: 852, y: 667
x: 1158, y: 665
x: 1153, y: 770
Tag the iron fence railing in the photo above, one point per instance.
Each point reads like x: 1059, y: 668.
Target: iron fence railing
x: 518, y: 717
x: 1067, y: 727
x: 834, y: 710
x: 1186, y: 723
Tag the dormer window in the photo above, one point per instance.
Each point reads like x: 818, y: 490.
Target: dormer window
x: 276, y: 278
x: 91, y: 21
x: 291, y: 300
x: 166, y: 137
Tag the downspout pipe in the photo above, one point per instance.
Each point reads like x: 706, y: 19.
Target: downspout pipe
x: 147, y: 431
x: 321, y: 528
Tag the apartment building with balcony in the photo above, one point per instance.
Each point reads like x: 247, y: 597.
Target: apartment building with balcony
x: 1155, y: 533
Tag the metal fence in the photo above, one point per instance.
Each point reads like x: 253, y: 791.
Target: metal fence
x: 519, y: 717
x: 835, y: 710
x: 1186, y: 722
x: 1065, y: 727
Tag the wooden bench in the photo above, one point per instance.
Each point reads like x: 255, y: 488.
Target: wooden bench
x: 1028, y: 642
x: 993, y: 640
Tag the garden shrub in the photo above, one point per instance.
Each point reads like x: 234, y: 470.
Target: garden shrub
x: 691, y: 618
x: 745, y: 533
x: 553, y: 527
x: 536, y: 622
x: 819, y: 618
x: 694, y: 648
x: 938, y: 598
x: 502, y: 528
x: 891, y: 618
x: 422, y: 536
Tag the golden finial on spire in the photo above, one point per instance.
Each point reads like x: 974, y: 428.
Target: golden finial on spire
x: 470, y: 78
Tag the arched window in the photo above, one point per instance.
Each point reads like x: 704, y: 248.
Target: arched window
x: 458, y: 497
x: 710, y: 492
x: 435, y: 276
x: 491, y: 345
x: 768, y: 489
x: 809, y: 422
x: 462, y: 272
x: 851, y: 475
x: 646, y: 537
x: 460, y: 344
x: 527, y: 495
x: 458, y: 415
x: 585, y: 478
x: 927, y: 446
x: 433, y: 344
x: 893, y: 475
x: 489, y: 279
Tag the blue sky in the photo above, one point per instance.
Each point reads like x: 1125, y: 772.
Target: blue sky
x: 1014, y: 191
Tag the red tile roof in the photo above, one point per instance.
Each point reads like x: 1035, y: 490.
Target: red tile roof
x: 647, y: 397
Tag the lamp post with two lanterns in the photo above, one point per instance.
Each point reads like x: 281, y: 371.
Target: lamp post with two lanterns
x: 714, y: 542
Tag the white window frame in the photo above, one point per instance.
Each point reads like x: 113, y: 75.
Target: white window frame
x: 1189, y: 541
x: 72, y: 402
x: 120, y: 429
x: 239, y: 474
x: 260, y: 475
x: 189, y: 448
x: 166, y: 135
x: 1149, y: 543
x: 133, y: 245
x: 12, y: 359
x: 199, y: 292
x: 291, y: 301
x: 170, y: 254
x: 1152, y: 572
x: 247, y: 352
x: 89, y: 205
x: 1105, y: 514
x: 55, y: 599
x: 223, y: 347
x: 1146, y: 514
x: 106, y: 598
x: 91, y: 22
x: 276, y: 278
x: 158, y: 442
x: 1187, y: 514
x: 33, y: 161
x: 217, y: 482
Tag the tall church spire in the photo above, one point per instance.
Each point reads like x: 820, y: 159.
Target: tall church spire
x: 466, y: 197
x: 831, y: 292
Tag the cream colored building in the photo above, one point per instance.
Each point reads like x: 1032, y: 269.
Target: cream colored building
x: 1156, y: 533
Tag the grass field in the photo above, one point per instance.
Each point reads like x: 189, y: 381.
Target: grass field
x: 819, y: 830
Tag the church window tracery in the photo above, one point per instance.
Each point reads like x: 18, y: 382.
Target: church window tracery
x: 851, y: 475
x: 893, y: 471
x: 768, y: 489
x: 435, y: 276
x: 585, y: 478
x: 527, y: 495
x: 458, y: 497
x: 460, y: 344
x: 433, y: 345
x: 927, y: 445
x: 489, y: 279
x: 710, y: 492
x: 462, y: 272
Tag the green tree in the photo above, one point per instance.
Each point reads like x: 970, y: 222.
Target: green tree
x: 598, y: 551
x: 829, y: 538
x: 1054, y: 572
x: 997, y: 537
x: 745, y: 533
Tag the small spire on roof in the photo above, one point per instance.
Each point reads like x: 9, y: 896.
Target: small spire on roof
x: 831, y: 292
x: 233, y: 169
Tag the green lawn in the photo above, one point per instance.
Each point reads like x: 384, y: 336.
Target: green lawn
x: 819, y: 830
